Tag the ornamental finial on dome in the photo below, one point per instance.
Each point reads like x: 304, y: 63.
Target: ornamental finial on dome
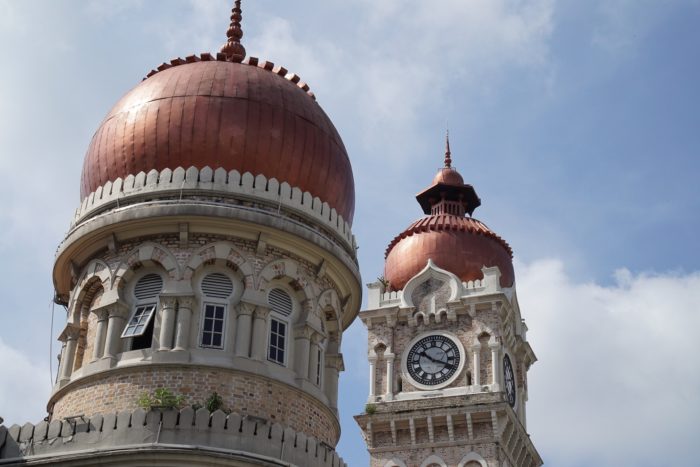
x: 233, y: 49
x: 448, y: 154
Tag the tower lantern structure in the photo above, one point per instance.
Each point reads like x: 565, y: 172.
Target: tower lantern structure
x: 447, y: 346
x: 211, y: 258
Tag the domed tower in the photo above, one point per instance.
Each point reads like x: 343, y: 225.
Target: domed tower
x: 446, y: 343
x: 210, y: 264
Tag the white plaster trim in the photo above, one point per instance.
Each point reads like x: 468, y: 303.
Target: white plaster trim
x: 433, y: 460
x: 431, y: 271
x: 133, y: 187
x: 472, y: 457
x: 460, y: 368
x: 395, y: 462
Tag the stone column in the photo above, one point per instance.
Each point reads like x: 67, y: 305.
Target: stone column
x: 167, y: 323
x: 100, y: 334
x: 242, y: 347
x: 313, y: 358
x: 333, y: 366
x: 183, y: 323
x: 302, y: 348
x: 476, y: 349
x: 389, y: 376
x: 372, y: 376
x: 70, y: 337
x: 495, y: 356
x: 115, y: 326
x: 259, y: 349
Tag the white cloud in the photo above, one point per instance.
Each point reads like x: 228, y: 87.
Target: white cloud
x: 618, y: 378
x: 105, y: 9
x: 24, y: 387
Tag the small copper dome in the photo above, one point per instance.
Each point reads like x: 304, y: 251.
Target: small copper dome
x: 458, y: 244
x: 218, y: 113
x: 448, y: 176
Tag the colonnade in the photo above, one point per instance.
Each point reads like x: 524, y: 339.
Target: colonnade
x: 304, y: 343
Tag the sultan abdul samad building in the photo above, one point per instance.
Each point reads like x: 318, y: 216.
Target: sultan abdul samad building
x: 209, y: 274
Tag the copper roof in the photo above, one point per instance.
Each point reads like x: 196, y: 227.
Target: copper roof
x: 461, y: 245
x: 206, y: 111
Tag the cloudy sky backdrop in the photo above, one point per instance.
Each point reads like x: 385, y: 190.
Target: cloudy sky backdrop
x: 577, y: 123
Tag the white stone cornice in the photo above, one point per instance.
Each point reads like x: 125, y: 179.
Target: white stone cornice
x: 178, y: 182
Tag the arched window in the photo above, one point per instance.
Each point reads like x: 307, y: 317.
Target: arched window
x: 281, y: 307
x: 140, y: 325
x: 472, y: 459
x: 216, y: 290
x: 433, y: 461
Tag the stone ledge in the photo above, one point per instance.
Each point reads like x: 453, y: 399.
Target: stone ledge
x: 179, y: 182
x: 217, y: 432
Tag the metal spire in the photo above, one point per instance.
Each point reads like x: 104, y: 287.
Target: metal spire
x: 448, y: 154
x: 233, y: 49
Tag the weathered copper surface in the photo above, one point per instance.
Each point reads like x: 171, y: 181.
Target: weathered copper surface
x: 461, y: 245
x: 448, y: 176
x: 246, y: 117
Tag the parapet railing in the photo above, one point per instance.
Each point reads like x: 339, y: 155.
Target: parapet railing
x: 179, y: 181
x: 218, y: 430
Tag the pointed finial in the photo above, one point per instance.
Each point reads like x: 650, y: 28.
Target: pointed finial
x: 448, y: 154
x: 233, y: 49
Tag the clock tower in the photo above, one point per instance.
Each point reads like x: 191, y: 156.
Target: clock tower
x: 447, y: 344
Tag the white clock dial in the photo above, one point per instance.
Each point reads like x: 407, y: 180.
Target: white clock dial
x: 433, y: 360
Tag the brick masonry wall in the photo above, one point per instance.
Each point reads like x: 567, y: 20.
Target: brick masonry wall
x: 243, y: 393
x: 450, y: 455
x: 466, y: 331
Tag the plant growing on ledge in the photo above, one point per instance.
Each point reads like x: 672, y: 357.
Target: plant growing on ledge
x: 161, y: 398
x: 214, y: 402
x: 370, y: 409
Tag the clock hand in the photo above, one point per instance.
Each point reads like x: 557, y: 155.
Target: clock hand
x: 424, y: 354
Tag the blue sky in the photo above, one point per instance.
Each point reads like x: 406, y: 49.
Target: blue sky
x: 577, y: 123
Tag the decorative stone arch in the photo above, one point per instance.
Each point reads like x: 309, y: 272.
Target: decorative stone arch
x: 223, y: 254
x: 419, y: 318
x: 288, y: 273
x: 440, y: 315
x: 148, y: 254
x: 97, y: 271
x: 433, y: 459
x: 431, y: 271
x: 379, y: 348
x: 472, y: 457
x: 395, y: 462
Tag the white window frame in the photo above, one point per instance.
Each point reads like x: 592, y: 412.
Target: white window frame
x: 215, y: 301
x: 134, y: 325
x: 139, y: 304
x: 224, y: 323
x: 284, y: 320
x: 275, y: 317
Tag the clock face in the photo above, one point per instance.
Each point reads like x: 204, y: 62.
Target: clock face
x: 433, y: 360
x: 509, y: 379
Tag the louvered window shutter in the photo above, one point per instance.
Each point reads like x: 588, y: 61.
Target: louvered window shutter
x: 217, y: 285
x: 148, y: 287
x: 280, y: 302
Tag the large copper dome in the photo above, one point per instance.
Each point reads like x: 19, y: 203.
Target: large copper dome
x: 219, y: 113
x: 458, y: 244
